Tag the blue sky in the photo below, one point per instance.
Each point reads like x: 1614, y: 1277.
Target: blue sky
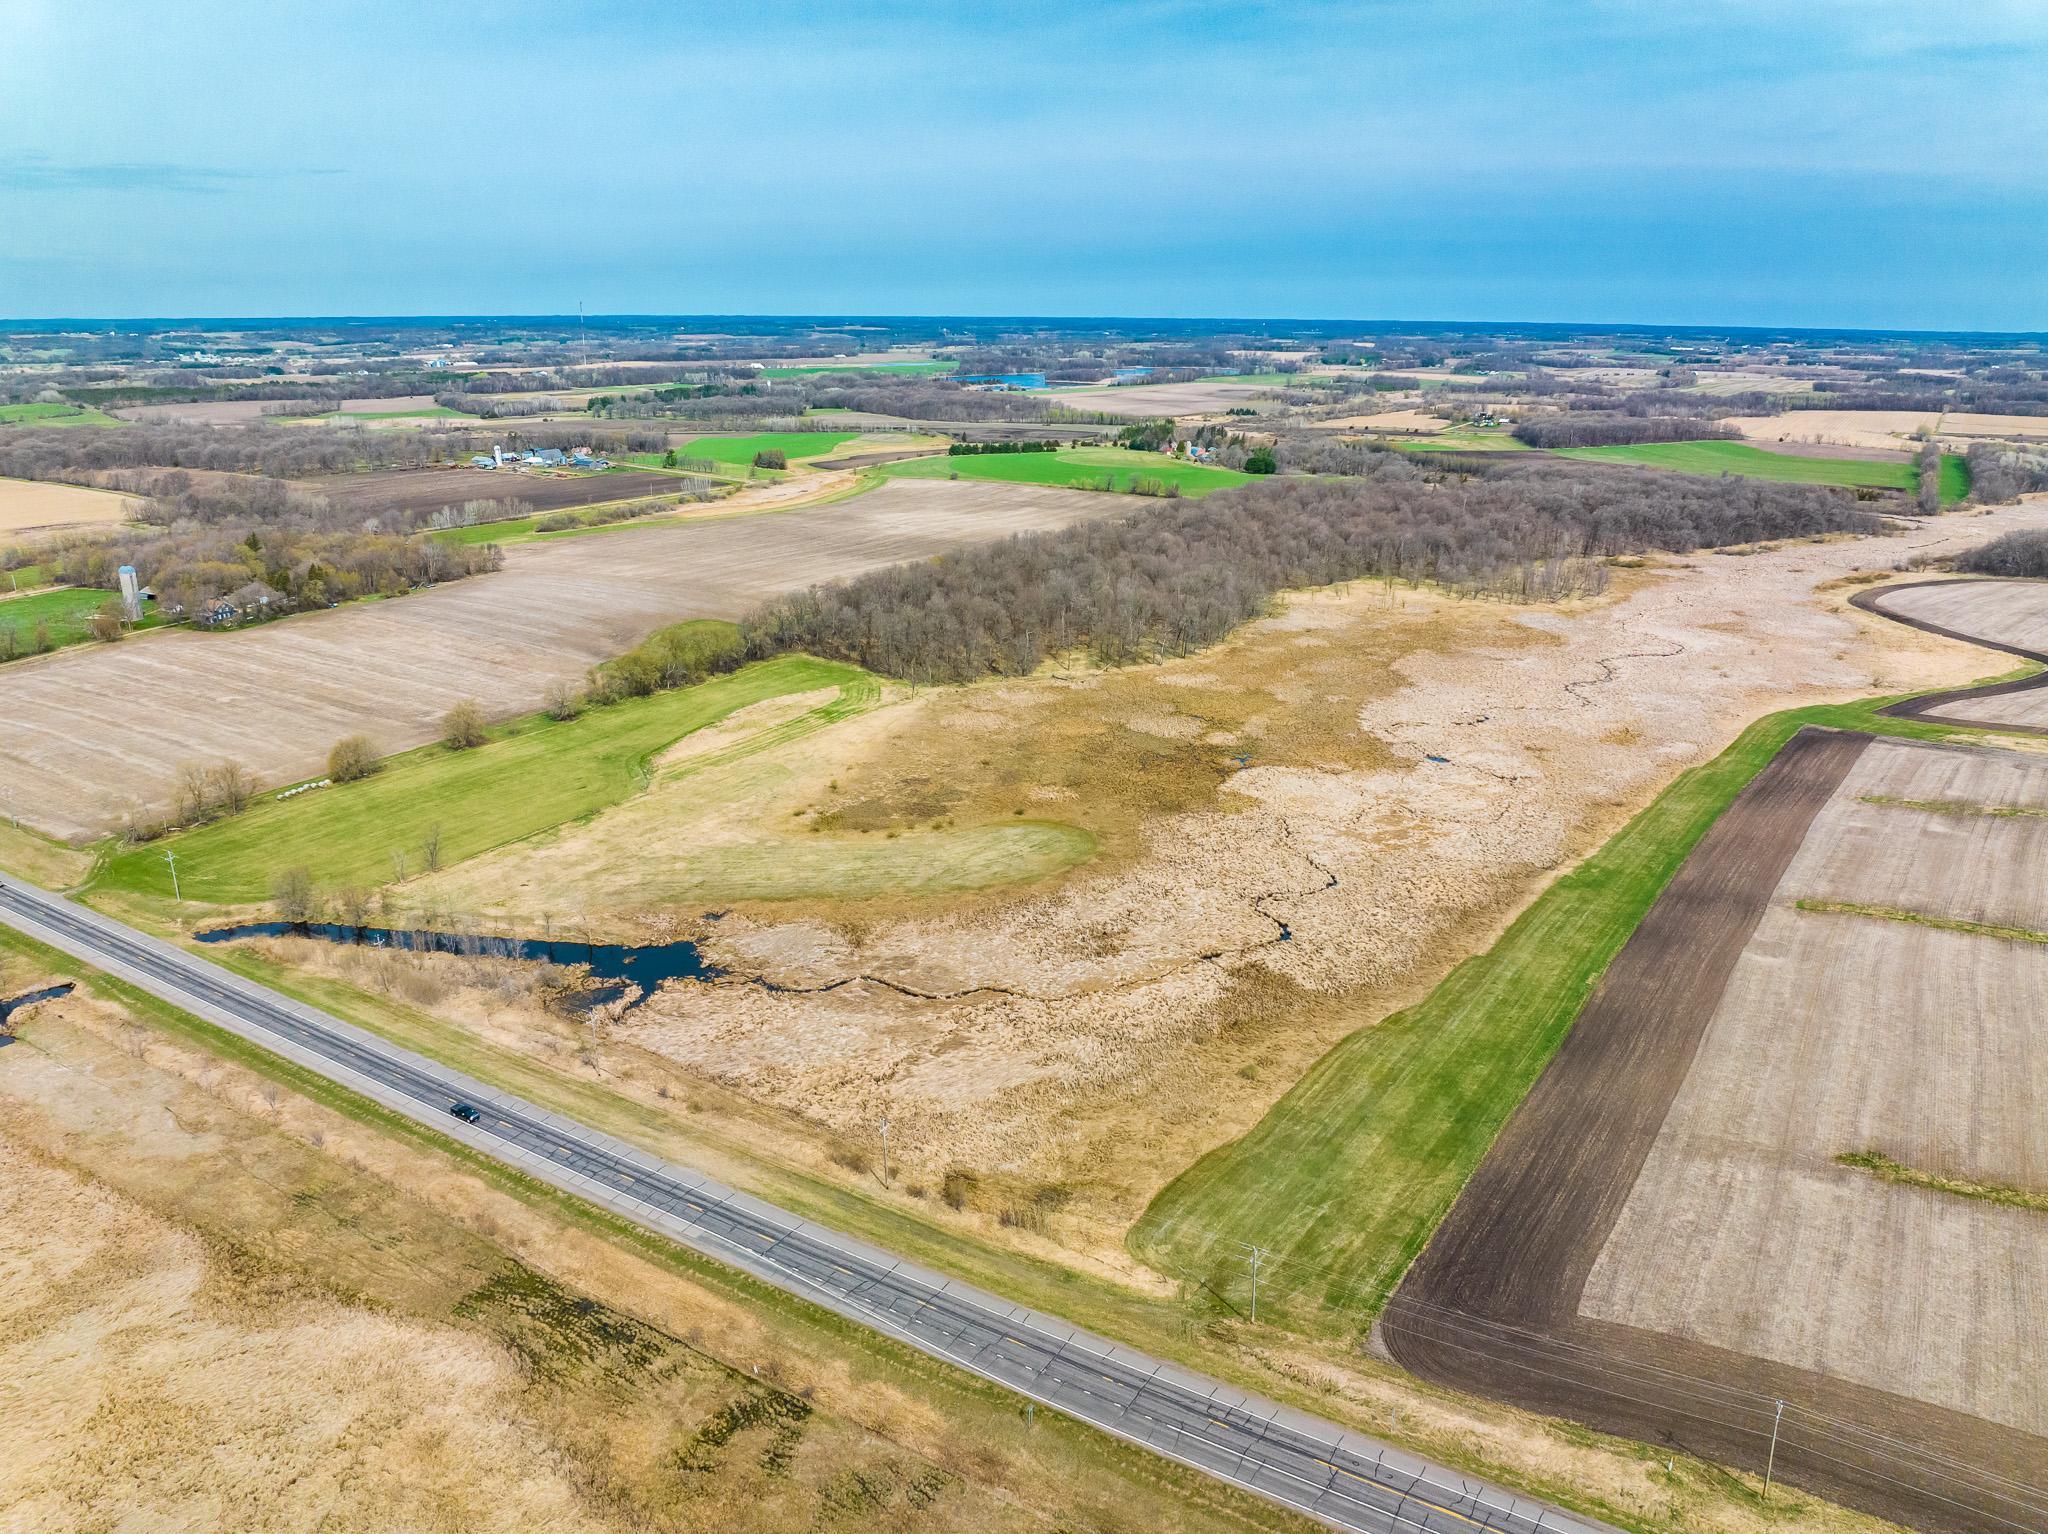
x: 1717, y: 161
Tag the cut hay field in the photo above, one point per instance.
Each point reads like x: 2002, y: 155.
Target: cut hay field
x: 277, y: 697
x: 1082, y: 468
x: 532, y: 776
x: 1747, y: 462
x: 33, y: 507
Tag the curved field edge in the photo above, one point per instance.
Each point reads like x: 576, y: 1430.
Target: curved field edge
x: 1349, y: 1174
x: 530, y: 777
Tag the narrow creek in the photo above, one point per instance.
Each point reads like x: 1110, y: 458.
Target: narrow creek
x: 9, y: 1005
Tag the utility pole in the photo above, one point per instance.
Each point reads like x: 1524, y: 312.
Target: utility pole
x: 1255, y: 1255
x: 885, y: 1150
x: 1771, y: 1465
x: 582, y: 338
x: 172, y: 859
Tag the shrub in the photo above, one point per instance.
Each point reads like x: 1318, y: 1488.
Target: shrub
x: 771, y: 458
x: 563, y: 701
x: 958, y: 1187
x: 353, y: 757
x: 2022, y: 552
x: 462, y: 727
x: 678, y: 656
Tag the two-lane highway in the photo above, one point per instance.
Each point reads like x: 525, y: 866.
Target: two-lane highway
x: 1343, y: 1479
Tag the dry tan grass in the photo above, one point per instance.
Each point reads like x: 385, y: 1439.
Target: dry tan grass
x: 228, y: 1308
x: 1406, y: 422
x: 1099, y: 1032
x: 41, y: 506
x: 1888, y: 428
x: 1201, y: 397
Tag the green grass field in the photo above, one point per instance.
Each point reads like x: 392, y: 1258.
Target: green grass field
x: 534, y: 774
x: 915, y: 368
x: 67, y: 610
x: 54, y: 415
x: 1086, y: 468
x: 741, y: 450
x: 1955, y: 478
x: 1348, y: 1174
x: 1747, y: 462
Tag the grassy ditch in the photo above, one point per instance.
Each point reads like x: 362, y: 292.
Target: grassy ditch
x: 1347, y: 1175
x: 1922, y: 919
x: 1957, y: 807
x: 1885, y: 1169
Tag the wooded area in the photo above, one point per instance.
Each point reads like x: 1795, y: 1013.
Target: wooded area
x: 1169, y: 580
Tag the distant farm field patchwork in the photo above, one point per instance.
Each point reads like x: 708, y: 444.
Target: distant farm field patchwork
x: 1082, y: 468
x: 1747, y: 462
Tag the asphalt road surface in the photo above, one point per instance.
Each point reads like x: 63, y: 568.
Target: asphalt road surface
x: 1340, y: 1478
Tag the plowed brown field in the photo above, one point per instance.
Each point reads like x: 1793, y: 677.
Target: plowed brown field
x: 1664, y: 1243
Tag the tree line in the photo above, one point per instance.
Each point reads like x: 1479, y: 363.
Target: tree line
x: 1613, y: 429
x: 1170, y: 580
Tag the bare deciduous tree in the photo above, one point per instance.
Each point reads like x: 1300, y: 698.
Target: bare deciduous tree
x: 294, y: 895
x: 232, y: 787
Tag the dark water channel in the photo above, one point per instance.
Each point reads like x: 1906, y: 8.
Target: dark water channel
x: 9, y: 1005
x: 619, y: 968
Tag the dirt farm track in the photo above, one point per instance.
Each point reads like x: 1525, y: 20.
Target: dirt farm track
x: 1661, y: 1242
x: 88, y: 728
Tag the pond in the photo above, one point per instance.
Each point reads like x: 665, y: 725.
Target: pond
x: 619, y: 966
x: 1014, y: 380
